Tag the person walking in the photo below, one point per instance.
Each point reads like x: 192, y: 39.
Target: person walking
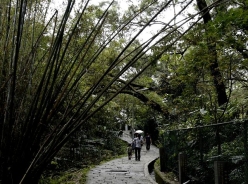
x: 129, y: 151
x: 138, y: 143
x: 148, y: 141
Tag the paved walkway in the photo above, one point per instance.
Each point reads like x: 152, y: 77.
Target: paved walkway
x: 122, y: 170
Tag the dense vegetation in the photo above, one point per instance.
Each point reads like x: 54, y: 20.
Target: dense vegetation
x: 80, y: 72
x: 75, y: 159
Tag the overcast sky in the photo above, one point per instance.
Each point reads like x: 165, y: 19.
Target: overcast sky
x: 166, y: 17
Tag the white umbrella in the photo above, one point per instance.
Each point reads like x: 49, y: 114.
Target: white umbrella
x: 138, y: 131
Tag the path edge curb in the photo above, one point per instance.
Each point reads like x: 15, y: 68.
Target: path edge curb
x: 147, y: 174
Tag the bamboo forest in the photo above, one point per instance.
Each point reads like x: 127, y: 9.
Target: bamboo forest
x: 73, y: 73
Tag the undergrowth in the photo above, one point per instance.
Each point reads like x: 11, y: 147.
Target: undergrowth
x: 77, y: 170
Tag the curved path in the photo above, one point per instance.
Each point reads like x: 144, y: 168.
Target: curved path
x: 122, y: 170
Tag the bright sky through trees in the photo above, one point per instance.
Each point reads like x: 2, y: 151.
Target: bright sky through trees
x: 164, y: 18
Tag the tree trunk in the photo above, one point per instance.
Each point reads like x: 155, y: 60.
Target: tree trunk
x: 214, y: 66
x: 148, y: 102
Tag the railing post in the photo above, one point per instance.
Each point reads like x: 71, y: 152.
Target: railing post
x: 182, y: 161
x: 201, y: 147
x: 163, y: 159
x: 245, y: 151
x: 221, y: 172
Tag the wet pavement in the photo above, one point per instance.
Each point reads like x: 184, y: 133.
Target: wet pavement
x: 123, y: 170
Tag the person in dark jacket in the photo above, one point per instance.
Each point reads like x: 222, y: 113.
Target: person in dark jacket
x: 148, y: 141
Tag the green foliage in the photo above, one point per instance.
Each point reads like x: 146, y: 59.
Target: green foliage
x: 164, y: 177
x: 78, y: 73
x: 229, y: 149
x: 56, y: 74
x: 74, y: 173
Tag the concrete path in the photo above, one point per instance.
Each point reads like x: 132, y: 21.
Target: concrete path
x: 122, y: 170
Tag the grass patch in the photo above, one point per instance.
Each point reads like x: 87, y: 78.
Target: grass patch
x: 164, y: 177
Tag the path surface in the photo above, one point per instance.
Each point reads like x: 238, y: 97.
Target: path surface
x: 122, y: 170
